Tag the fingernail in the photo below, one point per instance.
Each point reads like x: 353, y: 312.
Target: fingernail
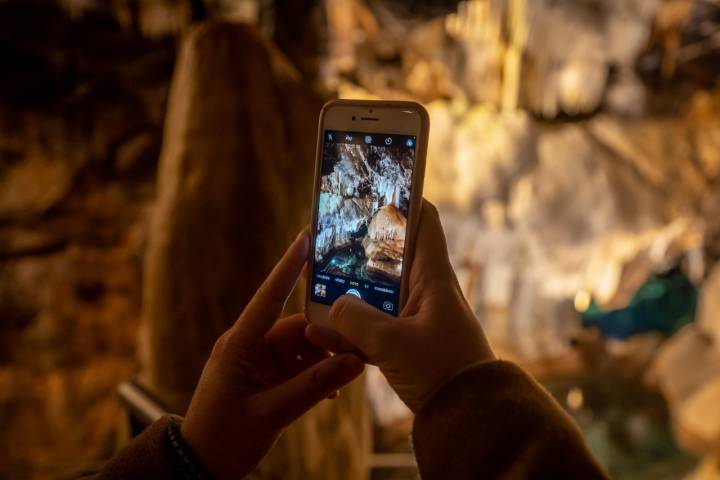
x: 334, y: 395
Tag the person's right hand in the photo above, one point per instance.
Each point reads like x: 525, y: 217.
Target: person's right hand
x: 436, y: 334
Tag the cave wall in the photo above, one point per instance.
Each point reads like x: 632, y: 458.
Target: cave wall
x: 90, y: 246
x: 81, y: 111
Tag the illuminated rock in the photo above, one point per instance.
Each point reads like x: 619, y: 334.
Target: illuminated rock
x: 706, y: 125
x: 697, y: 419
x: 390, y: 177
x: 348, y: 173
x: 477, y: 27
x: 708, y: 315
x: 550, y: 57
x: 476, y: 154
x: 535, y: 215
x: 428, y: 74
x: 687, y: 371
x: 339, y: 219
x: 385, y: 241
x: 365, y: 183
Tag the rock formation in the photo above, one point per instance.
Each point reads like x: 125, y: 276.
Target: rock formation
x: 80, y: 130
x: 362, y: 200
x: 385, y: 241
x: 551, y: 57
x: 233, y: 188
x: 535, y: 214
x: 345, y: 202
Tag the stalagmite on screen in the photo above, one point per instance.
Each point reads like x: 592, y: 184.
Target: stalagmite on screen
x: 363, y: 207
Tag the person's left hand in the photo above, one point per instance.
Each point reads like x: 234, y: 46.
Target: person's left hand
x: 261, y: 375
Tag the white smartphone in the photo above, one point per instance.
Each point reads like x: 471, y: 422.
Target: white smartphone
x: 367, y: 198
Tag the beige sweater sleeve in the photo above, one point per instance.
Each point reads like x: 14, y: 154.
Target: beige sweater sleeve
x: 493, y: 421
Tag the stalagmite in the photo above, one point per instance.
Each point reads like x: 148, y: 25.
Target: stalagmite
x: 233, y: 190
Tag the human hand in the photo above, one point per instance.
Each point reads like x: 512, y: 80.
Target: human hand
x: 261, y: 375
x: 436, y: 334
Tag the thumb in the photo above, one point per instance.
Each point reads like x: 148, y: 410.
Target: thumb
x: 361, y: 324
x: 291, y: 399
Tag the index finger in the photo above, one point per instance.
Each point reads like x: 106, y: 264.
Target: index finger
x: 264, y: 308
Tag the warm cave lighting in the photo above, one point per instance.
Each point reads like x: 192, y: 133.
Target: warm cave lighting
x: 575, y: 398
x: 573, y: 155
x: 582, y: 301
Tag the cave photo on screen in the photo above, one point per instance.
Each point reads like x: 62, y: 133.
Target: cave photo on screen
x: 362, y: 212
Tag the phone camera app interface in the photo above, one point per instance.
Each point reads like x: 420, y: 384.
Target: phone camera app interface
x: 365, y: 186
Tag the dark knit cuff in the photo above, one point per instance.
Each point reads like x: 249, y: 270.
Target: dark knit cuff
x: 490, y: 375
x: 184, y: 463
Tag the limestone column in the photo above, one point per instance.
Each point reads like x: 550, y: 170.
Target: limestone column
x: 234, y: 187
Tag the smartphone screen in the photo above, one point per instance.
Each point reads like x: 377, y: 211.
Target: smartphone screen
x: 363, y: 209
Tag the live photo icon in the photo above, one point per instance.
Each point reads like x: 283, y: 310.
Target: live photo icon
x: 409, y: 142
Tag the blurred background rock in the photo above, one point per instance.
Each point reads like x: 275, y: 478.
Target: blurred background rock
x: 574, y: 156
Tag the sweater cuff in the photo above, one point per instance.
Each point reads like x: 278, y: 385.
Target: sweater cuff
x: 488, y: 378
x: 147, y: 456
x: 158, y: 452
x: 493, y: 420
